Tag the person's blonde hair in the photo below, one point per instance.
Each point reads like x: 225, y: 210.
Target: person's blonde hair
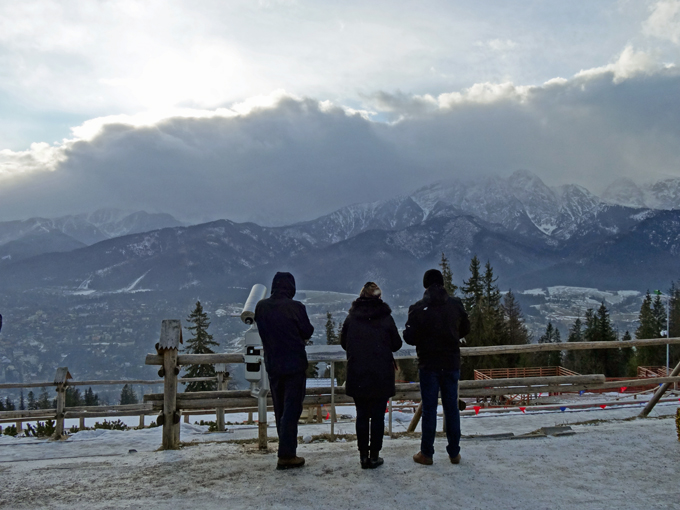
x: 370, y: 290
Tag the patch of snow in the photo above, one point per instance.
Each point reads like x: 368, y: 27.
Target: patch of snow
x: 534, y: 292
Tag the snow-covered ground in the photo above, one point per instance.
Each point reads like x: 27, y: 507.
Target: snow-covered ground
x: 610, y: 462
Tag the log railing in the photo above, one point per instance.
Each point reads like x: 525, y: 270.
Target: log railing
x: 62, y: 381
x: 171, y: 361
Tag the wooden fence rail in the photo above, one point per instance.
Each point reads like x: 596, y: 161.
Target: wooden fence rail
x: 64, y: 380
x: 171, y: 404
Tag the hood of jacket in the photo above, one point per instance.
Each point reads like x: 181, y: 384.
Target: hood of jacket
x: 369, y: 308
x: 283, y: 285
x: 436, y: 294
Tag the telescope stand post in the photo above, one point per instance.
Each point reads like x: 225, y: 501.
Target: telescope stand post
x: 332, y: 401
x: 261, y: 422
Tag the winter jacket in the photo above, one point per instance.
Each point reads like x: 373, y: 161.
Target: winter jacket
x: 435, y: 326
x: 284, y: 326
x: 370, y: 336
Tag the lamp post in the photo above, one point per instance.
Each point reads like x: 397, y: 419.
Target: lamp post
x: 668, y: 328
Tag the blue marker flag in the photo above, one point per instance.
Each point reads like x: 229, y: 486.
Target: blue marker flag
x: 581, y: 392
x: 563, y: 409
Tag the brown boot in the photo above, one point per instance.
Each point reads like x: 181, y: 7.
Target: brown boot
x: 290, y: 462
x: 421, y: 458
x: 455, y: 460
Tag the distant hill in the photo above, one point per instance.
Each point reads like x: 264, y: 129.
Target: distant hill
x: 26, y: 238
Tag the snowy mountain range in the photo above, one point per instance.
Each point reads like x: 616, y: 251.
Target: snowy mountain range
x: 533, y: 235
x: 664, y: 194
x: 521, y: 203
x: 26, y: 238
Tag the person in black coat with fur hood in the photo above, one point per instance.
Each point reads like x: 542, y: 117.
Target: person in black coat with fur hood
x: 370, y: 336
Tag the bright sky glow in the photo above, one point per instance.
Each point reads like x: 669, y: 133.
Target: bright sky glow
x: 73, y: 70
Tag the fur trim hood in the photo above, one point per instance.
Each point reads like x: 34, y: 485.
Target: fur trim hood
x: 369, y: 308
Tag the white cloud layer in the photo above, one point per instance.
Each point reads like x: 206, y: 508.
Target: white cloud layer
x: 278, y: 158
x: 664, y: 21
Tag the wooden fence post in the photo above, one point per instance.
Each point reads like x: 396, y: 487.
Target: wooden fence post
x: 390, y: 420
x: 659, y: 393
x: 168, y: 346
x: 222, y: 374
x: 416, y: 418
x: 60, y: 380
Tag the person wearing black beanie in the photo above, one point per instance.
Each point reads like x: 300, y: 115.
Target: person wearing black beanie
x: 433, y: 277
x: 435, y: 326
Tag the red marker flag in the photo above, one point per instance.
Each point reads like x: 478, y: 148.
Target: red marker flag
x: 603, y: 406
x: 623, y: 388
x: 522, y: 409
x: 328, y: 416
x: 476, y: 408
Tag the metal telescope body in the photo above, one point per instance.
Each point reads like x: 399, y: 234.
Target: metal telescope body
x: 255, y: 371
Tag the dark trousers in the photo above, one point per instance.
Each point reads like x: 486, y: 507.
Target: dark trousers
x: 431, y: 383
x: 370, y: 424
x: 288, y: 392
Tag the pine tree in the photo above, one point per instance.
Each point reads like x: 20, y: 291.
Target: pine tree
x: 659, y: 314
x: 22, y: 402
x: 574, y: 359
x: 472, y: 287
x: 493, y: 314
x: 2, y: 405
x: 515, y: 331
x: 448, y: 276
x: 128, y: 395
x: 91, y: 398
x: 9, y: 405
x: 331, y: 336
x: 73, y: 397
x: 647, y: 328
x: 674, y: 310
x: 32, y: 403
x: 200, y: 343
x: 481, y: 298
x: 555, y: 358
x: 651, y: 324
x: 598, y: 328
x: 674, y: 306
x: 549, y: 358
x: 44, y: 399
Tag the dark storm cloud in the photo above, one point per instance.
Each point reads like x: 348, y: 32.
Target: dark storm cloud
x: 297, y: 159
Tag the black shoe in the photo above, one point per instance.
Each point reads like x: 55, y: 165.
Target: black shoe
x: 365, y: 462
x: 461, y: 405
x: 374, y: 462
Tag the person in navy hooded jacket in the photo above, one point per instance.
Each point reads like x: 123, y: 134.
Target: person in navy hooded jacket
x: 284, y: 327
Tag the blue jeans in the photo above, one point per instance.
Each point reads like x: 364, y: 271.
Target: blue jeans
x: 431, y: 382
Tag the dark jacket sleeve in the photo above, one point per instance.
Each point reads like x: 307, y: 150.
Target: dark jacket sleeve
x: 411, y: 333
x: 304, y: 326
x: 343, y: 333
x: 395, y: 339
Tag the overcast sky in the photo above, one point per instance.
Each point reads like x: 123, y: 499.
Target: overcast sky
x: 281, y: 111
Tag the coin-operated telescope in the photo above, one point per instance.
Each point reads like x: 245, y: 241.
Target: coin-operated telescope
x: 255, y: 371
